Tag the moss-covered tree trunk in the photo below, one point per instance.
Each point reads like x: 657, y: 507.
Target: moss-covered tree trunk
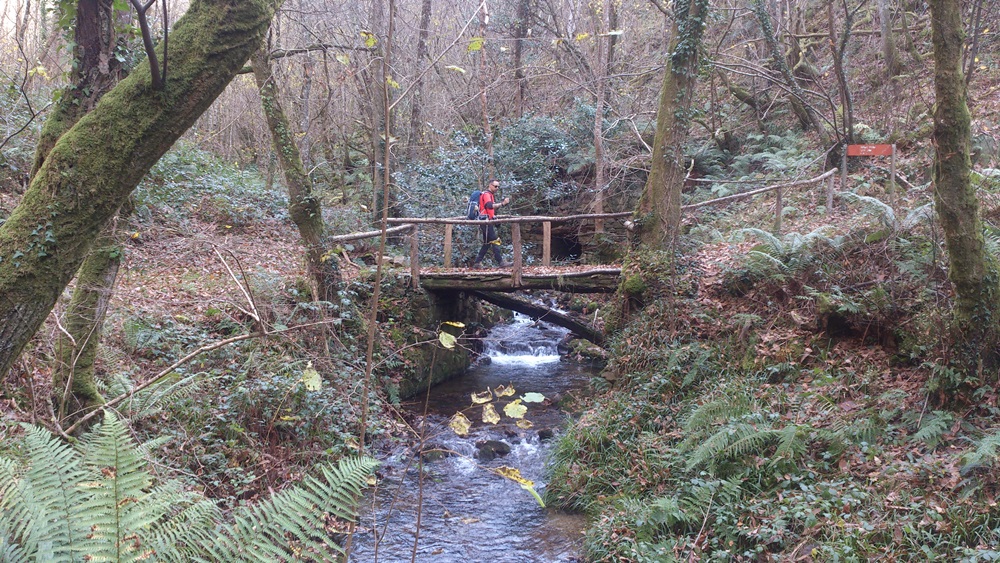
x: 303, y: 206
x: 660, y: 204
x: 74, y: 390
x: 972, y: 270
x: 96, y: 164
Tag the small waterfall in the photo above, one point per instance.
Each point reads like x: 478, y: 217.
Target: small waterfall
x: 524, y: 342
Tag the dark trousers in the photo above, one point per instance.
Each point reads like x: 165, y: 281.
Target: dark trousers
x: 489, y: 236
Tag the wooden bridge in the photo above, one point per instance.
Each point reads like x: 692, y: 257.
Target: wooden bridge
x: 490, y: 284
x: 516, y: 277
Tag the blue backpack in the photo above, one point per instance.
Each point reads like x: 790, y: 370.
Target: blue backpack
x: 473, y: 211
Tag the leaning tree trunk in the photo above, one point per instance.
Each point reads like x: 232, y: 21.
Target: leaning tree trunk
x: 660, y: 204
x: 972, y: 270
x: 303, y: 206
x: 95, y: 165
x: 807, y: 117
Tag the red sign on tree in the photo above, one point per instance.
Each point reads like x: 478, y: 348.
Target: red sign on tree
x: 869, y: 150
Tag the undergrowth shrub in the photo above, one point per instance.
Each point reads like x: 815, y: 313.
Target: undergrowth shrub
x: 189, y: 183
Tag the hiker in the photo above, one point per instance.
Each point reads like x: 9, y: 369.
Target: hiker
x: 487, y: 211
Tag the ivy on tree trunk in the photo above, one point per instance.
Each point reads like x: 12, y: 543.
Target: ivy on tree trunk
x: 660, y: 204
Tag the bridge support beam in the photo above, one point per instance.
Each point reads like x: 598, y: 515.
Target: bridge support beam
x: 539, y: 312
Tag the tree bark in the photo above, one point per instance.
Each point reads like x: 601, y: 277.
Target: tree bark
x: 417, y: 99
x: 660, y: 204
x: 893, y: 64
x: 520, y: 33
x: 601, y: 77
x: 972, y: 270
x: 73, y: 388
x: 96, y: 71
x: 303, y: 207
x: 95, y: 165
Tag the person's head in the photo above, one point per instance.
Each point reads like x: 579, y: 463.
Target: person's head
x: 494, y: 186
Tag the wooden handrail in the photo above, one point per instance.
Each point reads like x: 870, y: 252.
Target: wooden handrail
x: 369, y: 234
x: 735, y: 197
x: 506, y: 219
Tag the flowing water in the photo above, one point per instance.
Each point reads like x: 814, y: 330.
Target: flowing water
x: 470, y: 514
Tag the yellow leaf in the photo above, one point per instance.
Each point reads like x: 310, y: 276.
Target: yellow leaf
x: 455, y: 68
x: 533, y: 397
x: 475, y: 44
x: 515, y: 409
x: 455, y: 324
x: 490, y: 415
x: 582, y: 36
x: 447, y: 340
x: 371, y: 480
x: 460, y: 424
x: 482, y: 397
x: 502, y: 391
x: 311, y: 378
x: 392, y: 83
x: 524, y: 423
x: 287, y: 418
x: 370, y: 39
x: 513, y: 474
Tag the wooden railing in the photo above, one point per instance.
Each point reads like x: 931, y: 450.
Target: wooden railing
x: 411, y: 225
x: 777, y: 188
x: 517, y: 264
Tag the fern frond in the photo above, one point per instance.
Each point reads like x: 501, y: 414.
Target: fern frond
x: 768, y: 238
x: 50, y: 495
x: 747, y: 440
x: 791, y: 442
x: 985, y: 454
x: 933, y: 428
x: 263, y: 532
x: 188, y: 521
x: 715, y: 412
x: 876, y: 207
x: 116, y: 491
x: 924, y: 213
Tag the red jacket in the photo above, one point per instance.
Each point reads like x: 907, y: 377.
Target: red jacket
x: 486, y: 200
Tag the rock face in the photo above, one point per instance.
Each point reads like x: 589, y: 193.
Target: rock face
x: 491, y: 449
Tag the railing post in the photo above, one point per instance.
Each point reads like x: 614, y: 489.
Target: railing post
x: 829, y: 194
x: 415, y: 257
x: 892, y: 178
x: 777, y: 211
x: 515, y: 239
x: 448, y: 228
x: 547, y: 244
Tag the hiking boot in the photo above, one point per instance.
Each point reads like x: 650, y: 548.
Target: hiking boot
x: 477, y: 266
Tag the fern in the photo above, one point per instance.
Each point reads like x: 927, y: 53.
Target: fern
x: 933, y: 428
x: 876, y: 207
x: 99, y: 503
x: 985, y: 454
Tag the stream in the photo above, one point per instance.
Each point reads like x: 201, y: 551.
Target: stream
x: 470, y: 514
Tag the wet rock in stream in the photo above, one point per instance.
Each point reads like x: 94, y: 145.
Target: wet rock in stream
x: 491, y: 449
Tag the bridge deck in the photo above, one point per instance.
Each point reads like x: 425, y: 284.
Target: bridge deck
x: 575, y: 279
